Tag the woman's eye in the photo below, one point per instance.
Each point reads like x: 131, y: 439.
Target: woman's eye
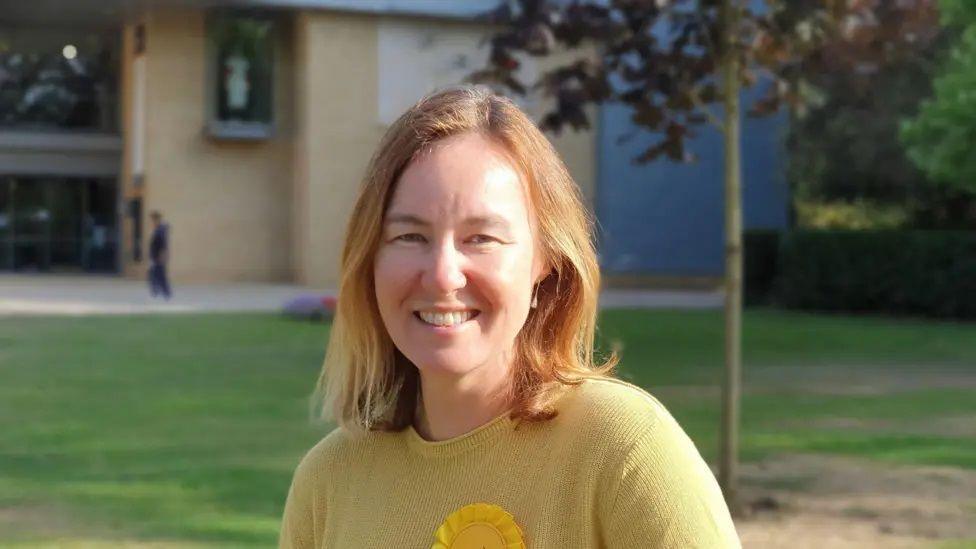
x: 482, y: 239
x: 411, y: 237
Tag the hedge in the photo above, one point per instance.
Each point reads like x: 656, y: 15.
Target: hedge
x: 760, y: 264
x: 926, y: 273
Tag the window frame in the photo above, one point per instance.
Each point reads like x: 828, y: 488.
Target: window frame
x: 236, y: 130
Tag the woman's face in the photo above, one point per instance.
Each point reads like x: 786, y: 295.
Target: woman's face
x: 458, y: 259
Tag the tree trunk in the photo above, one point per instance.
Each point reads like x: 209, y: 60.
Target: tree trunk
x: 728, y: 469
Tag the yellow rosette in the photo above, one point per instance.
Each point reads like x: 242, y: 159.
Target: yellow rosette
x: 479, y: 526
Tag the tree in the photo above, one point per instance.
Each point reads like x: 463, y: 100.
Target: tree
x: 940, y: 139
x: 846, y: 146
x: 671, y: 62
x: 847, y: 160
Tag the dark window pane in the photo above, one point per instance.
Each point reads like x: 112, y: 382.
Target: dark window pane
x: 66, y: 254
x: 30, y: 254
x: 101, y: 226
x: 53, y: 78
x: 65, y: 198
x: 5, y: 205
x: 63, y: 224
x: 32, y: 218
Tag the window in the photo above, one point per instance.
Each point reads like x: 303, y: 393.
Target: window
x: 58, y: 224
x: 58, y: 79
x: 241, y: 83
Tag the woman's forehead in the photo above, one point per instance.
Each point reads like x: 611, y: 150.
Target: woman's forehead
x: 466, y: 174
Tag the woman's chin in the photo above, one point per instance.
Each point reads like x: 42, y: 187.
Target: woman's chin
x: 446, y: 364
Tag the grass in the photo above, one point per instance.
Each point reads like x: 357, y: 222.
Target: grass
x: 667, y: 349
x: 183, y: 431
x: 682, y: 340
x: 958, y: 544
x: 157, y: 427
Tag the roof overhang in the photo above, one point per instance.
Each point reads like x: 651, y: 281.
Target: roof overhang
x: 114, y: 12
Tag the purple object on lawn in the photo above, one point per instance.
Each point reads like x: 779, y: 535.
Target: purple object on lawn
x: 311, y: 306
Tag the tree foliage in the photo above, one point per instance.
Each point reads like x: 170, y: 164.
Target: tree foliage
x: 845, y: 147
x: 940, y: 139
x: 661, y: 57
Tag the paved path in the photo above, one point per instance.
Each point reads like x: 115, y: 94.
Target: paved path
x: 662, y: 299
x: 87, y: 295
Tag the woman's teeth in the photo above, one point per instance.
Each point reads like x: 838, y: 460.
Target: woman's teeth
x: 446, y: 319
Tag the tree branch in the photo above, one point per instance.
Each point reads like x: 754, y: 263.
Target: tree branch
x: 712, y: 118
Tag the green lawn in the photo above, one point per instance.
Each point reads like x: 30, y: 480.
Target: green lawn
x: 803, y: 370
x: 184, y: 430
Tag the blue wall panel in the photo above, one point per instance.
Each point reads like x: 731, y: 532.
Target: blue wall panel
x: 665, y: 218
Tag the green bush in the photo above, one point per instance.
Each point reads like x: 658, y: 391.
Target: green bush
x: 926, y: 273
x: 760, y: 264
x: 857, y: 214
x: 939, y: 139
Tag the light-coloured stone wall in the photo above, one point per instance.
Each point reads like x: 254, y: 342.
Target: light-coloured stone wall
x: 272, y: 210
x: 337, y: 130
x: 228, y: 202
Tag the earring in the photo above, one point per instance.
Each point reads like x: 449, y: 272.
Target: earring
x: 535, y: 297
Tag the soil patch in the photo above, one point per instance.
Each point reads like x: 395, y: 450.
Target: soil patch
x: 813, y: 501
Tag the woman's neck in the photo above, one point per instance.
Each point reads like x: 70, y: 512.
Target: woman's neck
x: 450, y: 406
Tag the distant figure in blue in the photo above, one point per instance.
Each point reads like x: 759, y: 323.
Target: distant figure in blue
x: 159, y: 256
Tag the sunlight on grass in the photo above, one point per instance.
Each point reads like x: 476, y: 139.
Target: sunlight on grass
x: 184, y: 431
x: 958, y: 544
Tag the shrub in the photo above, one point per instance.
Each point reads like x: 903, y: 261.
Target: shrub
x: 760, y: 263
x: 857, y: 214
x: 927, y: 273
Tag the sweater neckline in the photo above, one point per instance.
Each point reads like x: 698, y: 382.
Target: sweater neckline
x: 461, y: 443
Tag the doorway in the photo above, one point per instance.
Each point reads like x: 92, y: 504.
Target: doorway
x: 58, y: 224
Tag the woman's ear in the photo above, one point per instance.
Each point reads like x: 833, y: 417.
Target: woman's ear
x: 540, y: 269
x: 541, y: 273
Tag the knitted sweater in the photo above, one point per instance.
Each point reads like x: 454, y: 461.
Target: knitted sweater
x: 613, y: 469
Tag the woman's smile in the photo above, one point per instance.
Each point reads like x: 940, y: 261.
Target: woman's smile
x: 446, y: 319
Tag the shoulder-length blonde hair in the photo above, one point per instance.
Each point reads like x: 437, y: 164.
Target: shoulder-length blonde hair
x: 366, y: 383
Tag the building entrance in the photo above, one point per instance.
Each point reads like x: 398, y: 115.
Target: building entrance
x: 58, y: 224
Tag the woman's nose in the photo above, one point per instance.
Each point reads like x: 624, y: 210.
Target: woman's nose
x: 444, y: 272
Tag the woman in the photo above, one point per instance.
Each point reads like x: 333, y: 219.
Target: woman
x: 460, y: 367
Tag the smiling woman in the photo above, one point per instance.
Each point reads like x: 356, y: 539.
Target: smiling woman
x: 454, y: 278
x: 460, y: 367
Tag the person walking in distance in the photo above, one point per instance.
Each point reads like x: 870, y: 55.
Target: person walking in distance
x: 159, y: 256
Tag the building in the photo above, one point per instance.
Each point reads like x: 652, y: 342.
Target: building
x: 248, y: 125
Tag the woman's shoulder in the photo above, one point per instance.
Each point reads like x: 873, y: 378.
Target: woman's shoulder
x: 612, y: 407
x: 340, y: 446
x: 619, y: 398
x: 321, y: 455
x: 654, y: 479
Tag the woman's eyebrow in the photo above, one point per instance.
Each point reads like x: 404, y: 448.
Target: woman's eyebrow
x: 409, y: 219
x: 488, y: 221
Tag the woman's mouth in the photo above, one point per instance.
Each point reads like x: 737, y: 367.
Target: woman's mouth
x: 446, y: 319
